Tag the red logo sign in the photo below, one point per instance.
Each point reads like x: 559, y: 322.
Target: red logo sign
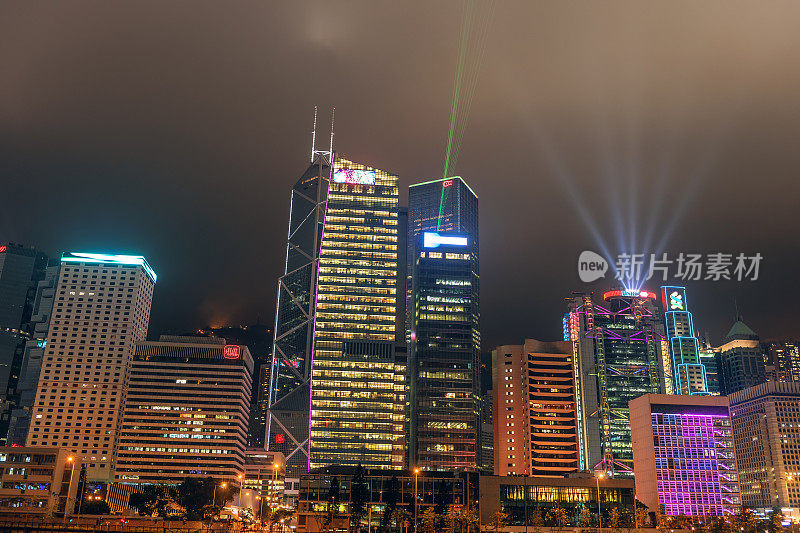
x: 3, y: 249
x: 279, y: 438
x: 447, y: 183
x: 232, y: 351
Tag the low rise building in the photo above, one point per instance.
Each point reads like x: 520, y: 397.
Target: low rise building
x: 37, y: 481
x: 683, y: 455
x: 527, y: 501
x: 324, y: 485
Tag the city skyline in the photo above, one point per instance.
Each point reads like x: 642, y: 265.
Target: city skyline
x: 558, y: 149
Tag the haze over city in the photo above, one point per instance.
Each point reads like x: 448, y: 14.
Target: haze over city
x: 177, y: 132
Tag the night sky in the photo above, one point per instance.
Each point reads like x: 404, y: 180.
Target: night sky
x: 176, y: 130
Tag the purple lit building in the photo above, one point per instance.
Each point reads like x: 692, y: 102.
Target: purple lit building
x: 683, y: 455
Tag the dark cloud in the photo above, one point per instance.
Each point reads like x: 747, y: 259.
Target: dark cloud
x: 176, y: 129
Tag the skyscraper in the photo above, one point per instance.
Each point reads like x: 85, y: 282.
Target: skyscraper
x: 102, y: 308
x: 292, y: 350
x: 766, y: 431
x: 198, y: 428
x: 535, y: 418
x: 444, y: 362
x: 32, y: 357
x: 617, y: 349
x: 683, y: 452
x: 358, y: 394
x: 742, y: 359
x: 688, y: 372
x: 710, y: 356
x: 21, y: 269
x: 785, y: 357
x: 445, y: 205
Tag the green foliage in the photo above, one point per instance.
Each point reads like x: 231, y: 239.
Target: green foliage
x: 391, y: 499
x: 558, y: 518
x: 153, y: 499
x: 429, y: 521
x: 359, y: 497
x: 498, y: 520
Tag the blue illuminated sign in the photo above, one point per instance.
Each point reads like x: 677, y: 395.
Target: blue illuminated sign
x: 431, y: 239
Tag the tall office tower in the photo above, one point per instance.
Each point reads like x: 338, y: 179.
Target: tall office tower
x: 446, y: 206
x: 709, y: 357
x: 102, y: 308
x: 619, y: 353
x: 535, y: 417
x: 198, y: 428
x: 766, y: 431
x: 20, y: 271
x: 358, y: 398
x: 742, y: 359
x: 688, y: 372
x: 444, y: 360
x: 32, y: 356
x: 683, y: 455
x: 292, y: 348
x: 785, y: 357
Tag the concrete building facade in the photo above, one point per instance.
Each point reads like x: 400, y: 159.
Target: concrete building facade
x: 102, y: 308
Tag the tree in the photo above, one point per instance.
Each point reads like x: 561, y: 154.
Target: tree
x: 195, y: 495
x: 392, y: 497
x: 642, y: 517
x: 775, y: 523
x: 536, y: 521
x: 498, y: 519
x: 472, y: 519
x: 359, y: 498
x: 429, y: 521
x: 145, y: 500
x: 558, y: 518
x: 154, y: 499
x: 615, y: 520
x: 745, y: 521
x: 585, y: 517
x: 96, y: 507
x: 720, y: 524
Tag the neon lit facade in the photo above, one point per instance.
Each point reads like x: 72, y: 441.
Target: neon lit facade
x: 358, y: 392
x: 617, y: 348
x: 684, y: 455
x: 689, y: 374
x: 444, y: 356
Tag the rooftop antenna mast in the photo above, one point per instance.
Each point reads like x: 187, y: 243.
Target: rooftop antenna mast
x: 329, y: 151
x: 314, y: 136
x: 333, y: 115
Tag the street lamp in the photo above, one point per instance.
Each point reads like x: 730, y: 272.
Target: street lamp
x: 416, y: 503
x: 71, y: 461
x: 275, y: 468
x: 598, y: 476
x: 239, y: 500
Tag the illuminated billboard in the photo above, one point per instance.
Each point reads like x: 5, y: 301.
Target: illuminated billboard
x: 629, y: 292
x: 354, y: 177
x: 431, y: 239
x: 232, y: 351
x: 673, y: 298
